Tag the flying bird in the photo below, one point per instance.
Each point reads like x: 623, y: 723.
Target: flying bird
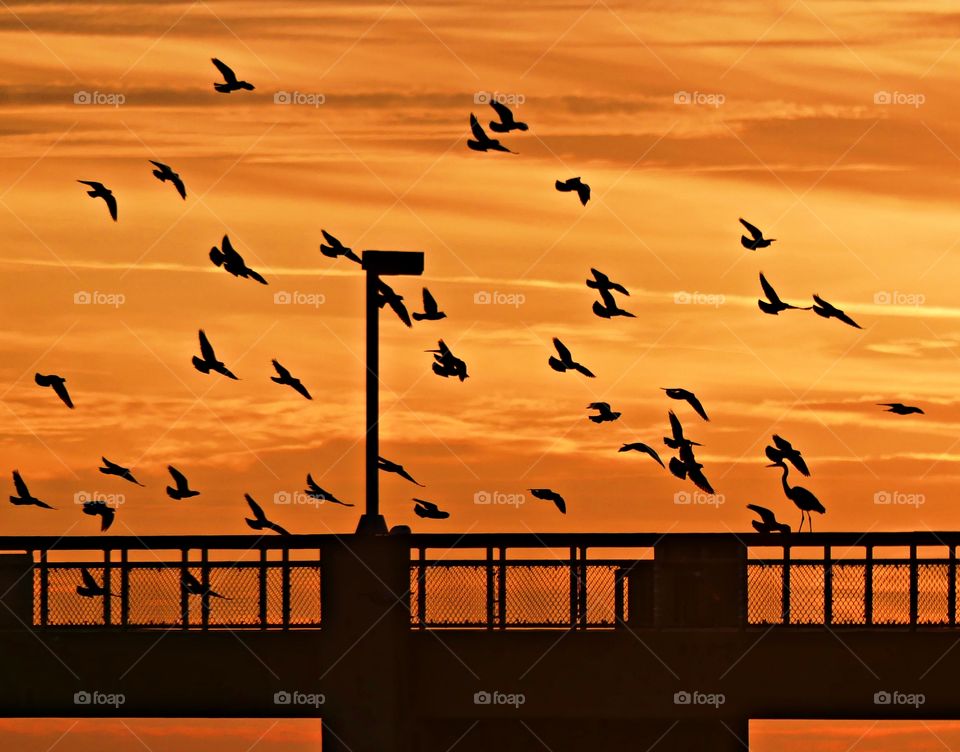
x: 574, y: 184
x: 209, y: 360
x: 260, y: 521
x: 194, y: 587
x: 900, y: 409
x: 685, y: 467
x: 392, y: 467
x: 90, y: 587
x: 601, y: 281
x: 24, y: 497
x: 507, y: 121
x: 286, y: 379
x: 233, y: 262
x: 768, y: 522
x: 387, y: 296
x: 100, y: 509
x: 547, y: 494
x: 182, y: 488
x: 688, y: 397
x: 756, y: 240
x: 112, y: 468
x: 566, y: 362
x: 335, y: 248
x: 430, y: 310
x: 783, y: 450
x: 315, y: 492
x: 481, y: 141
x: 677, y: 440
x: 639, y: 446
x: 607, y: 307
x: 57, y: 383
x: 447, y: 364
x: 429, y: 510
x: 773, y: 305
x: 805, y: 501
x: 828, y: 311
x: 230, y: 82
x: 99, y: 190
x: 604, y: 413
x: 165, y: 173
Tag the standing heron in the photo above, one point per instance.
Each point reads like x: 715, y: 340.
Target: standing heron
x: 805, y: 500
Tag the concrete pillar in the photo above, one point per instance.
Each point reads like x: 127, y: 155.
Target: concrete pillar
x: 16, y: 591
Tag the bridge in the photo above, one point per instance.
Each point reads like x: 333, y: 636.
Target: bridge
x: 482, y: 641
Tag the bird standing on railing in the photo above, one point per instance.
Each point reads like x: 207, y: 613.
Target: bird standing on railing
x: 805, y: 500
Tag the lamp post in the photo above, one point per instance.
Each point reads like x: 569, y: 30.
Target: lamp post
x: 377, y: 264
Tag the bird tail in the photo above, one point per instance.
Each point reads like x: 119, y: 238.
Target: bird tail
x: 201, y: 365
x: 222, y: 88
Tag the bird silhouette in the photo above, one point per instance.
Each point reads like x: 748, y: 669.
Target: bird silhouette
x: 260, y: 521
x: 430, y: 310
x: 193, y: 586
x: 601, y: 281
x: 828, y: 311
x: 547, y: 494
x: 100, y: 509
x: 233, y: 262
x: 57, y: 383
x: 607, y: 307
x: 688, y: 397
x: 900, y: 409
x: 392, y: 467
x: 481, y: 141
x: 286, y: 379
x: 566, y: 362
x: 90, y: 588
x: 639, y: 446
x: 768, y: 522
x: 209, y: 360
x: 756, y: 239
x: 805, y: 501
x: 429, y: 510
x: 24, y: 497
x: 112, y: 468
x: 335, y: 249
x: 783, y: 450
x: 677, y: 440
x: 604, y: 413
x: 574, y: 184
x: 99, y: 190
x: 182, y: 489
x: 507, y: 122
x: 685, y: 467
x: 447, y: 364
x: 387, y: 296
x: 316, y: 492
x: 165, y: 173
x: 773, y: 305
x: 230, y: 82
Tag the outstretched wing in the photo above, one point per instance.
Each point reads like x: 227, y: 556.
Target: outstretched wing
x: 755, y: 232
x: 562, y: 350
x: 88, y: 581
x: 429, y: 303
x: 206, y: 349
x: 696, y: 405
x: 330, y: 239
x: 504, y: 112
x: 255, y: 508
x: 768, y: 290
x: 427, y: 505
x: 283, y: 372
x: 21, y: 487
x: 478, y: 132
x: 225, y: 70
x: 179, y: 479
x: 765, y: 514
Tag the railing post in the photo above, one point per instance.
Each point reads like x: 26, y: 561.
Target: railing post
x: 205, y: 584
x: 262, y: 577
x: 952, y: 586
x: 914, y: 585
x: 868, y: 587
x: 502, y: 588
x: 827, y: 585
x: 491, y: 615
x: 422, y: 587
x: 574, y: 596
x: 785, y: 594
x: 107, y: 589
x: 285, y: 588
x: 184, y: 595
x: 582, y: 587
x: 44, y: 586
x: 618, y: 598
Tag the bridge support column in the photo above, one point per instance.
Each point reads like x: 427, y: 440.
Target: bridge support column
x: 16, y: 591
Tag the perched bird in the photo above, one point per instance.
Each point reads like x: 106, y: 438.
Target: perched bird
x: 607, y: 307
x: 209, y: 360
x: 900, y: 409
x: 230, y: 82
x: 604, y: 413
x: 805, y: 501
x: 233, y: 262
x: 574, y: 184
x: 447, y: 364
x: 165, y: 173
x: 773, y: 305
x: 387, y: 296
x: 260, y: 521
x: 112, y: 468
x: 429, y: 510
x: 756, y: 240
x: 481, y: 141
x: 677, y: 440
x: 547, y: 494
x: 24, y: 497
x: 315, y: 492
x: 90, y: 587
x: 638, y: 446
x: 828, y: 311
x: 194, y: 587
x: 566, y: 362
x: 59, y: 385
x: 430, y: 310
x: 507, y: 122
x: 392, y: 467
x: 335, y: 249
x: 99, y: 190
x: 100, y: 509
x: 768, y: 522
x: 688, y: 397
x: 601, y: 281
x: 182, y: 489
x: 286, y: 379
x: 783, y: 450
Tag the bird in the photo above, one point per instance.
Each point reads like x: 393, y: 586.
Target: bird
x: 209, y: 360
x: 608, y: 308
x: 429, y: 510
x: 677, y: 440
x: 230, y: 82
x: 783, y: 450
x: 163, y: 173
x: 285, y: 378
x: 447, y: 364
x: 773, y: 305
x: 182, y: 489
x: 233, y: 262
x: 601, y: 281
x: 335, y: 249
x: 387, y: 296
x: 99, y: 190
x: 507, y: 121
x: 574, y: 184
x: 828, y: 311
x: 24, y: 497
x: 90, y: 587
x: 392, y: 467
x: 566, y: 362
x: 57, y: 383
x: 900, y: 409
x: 194, y: 587
x: 260, y: 521
x: 685, y: 467
x: 604, y: 413
x: 315, y: 492
x: 688, y: 397
x: 481, y: 141
x: 100, y: 509
x: 638, y: 446
x: 430, y: 310
x: 112, y: 468
x: 547, y: 494
x: 756, y: 240
x: 768, y: 522
x: 805, y: 501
